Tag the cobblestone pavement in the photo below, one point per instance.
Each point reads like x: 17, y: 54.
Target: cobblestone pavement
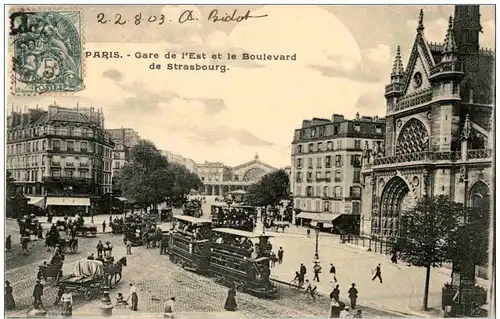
x: 156, y: 280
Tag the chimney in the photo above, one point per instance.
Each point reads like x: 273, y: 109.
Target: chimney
x: 337, y: 118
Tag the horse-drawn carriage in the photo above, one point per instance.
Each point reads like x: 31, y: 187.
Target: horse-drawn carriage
x: 193, y: 208
x: 117, y: 226
x: 134, y: 233
x: 29, y: 225
x: 86, y: 230
x: 276, y: 226
x: 50, y: 271
x: 166, y: 215
x: 88, y: 278
x: 68, y: 245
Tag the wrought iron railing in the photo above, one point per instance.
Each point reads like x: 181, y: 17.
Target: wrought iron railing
x: 479, y: 154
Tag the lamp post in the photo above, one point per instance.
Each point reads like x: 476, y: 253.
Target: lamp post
x: 316, y: 254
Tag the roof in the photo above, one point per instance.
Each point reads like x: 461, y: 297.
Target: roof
x: 192, y: 220
x: 220, y: 205
x: 240, y: 233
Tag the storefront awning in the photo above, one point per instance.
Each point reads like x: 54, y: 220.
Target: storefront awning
x: 68, y: 201
x: 327, y: 217
x: 325, y: 224
x: 123, y: 199
x: 307, y: 215
x: 38, y: 201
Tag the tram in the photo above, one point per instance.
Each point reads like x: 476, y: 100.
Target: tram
x: 189, y: 244
x: 234, y: 216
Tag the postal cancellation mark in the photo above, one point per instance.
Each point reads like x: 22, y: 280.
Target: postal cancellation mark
x: 47, y: 52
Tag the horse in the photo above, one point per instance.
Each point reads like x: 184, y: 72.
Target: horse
x: 114, y: 270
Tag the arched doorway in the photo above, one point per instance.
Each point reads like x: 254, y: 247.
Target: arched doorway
x: 478, y: 193
x: 210, y: 190
x: 395, y: 200
x: 216, y: 190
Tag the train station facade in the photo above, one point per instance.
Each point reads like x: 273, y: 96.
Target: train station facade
x: 219, y: 179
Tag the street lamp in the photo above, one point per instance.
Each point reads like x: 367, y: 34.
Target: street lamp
x: 316, y: 254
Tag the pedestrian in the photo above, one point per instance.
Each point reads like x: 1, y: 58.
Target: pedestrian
x: 169, y: 308
x: 378, y: 273
x: 317, y: 271
x: 37, y: 295
x: 344, y: 313
x: 273, y: 258
x: 8, y: 243
x: 353, y: 295
x: 303, y: 272
x: 308, y: 231
x: 358, y: 314
x: 10, y: 304
x: 91, y: 256
x: 103, y: 226
x: 333, y: 278
x: 230, y: 304
x: 334, y: 308
x: 335, y: 294
x: 60, y: 292
x: 100, y: 248
x: 110, y: 219
x: 67, y: 304
x: 280, y: 255
x: 394, y: 257
x: 133, y: 296
x: 40, y: 231
x: 24, y: 243
x: 310, y: 290
x: 129, y: 247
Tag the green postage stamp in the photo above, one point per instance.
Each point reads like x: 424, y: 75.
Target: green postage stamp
x: 46, y: 52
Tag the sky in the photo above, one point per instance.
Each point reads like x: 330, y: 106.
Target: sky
x: 344, y: 59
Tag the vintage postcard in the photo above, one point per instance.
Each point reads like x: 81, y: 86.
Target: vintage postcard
x: 265, y: 161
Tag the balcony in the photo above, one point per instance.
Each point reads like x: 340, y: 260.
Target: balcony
x: 70, y: 165
x: 338, y: 180
x: 423, y: 158
x: 414, y: 99
x: 55, y: 164
x: 298, y: 180
x: 309, y: 180
x: 394, y: 87
x: 84, y: 165
x: 325, y: 179
x: 445, y: 68
x: 66, y: 179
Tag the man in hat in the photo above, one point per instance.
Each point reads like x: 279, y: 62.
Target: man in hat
x: 335, y: 294
x: 37, y: 295
x: 317, y: 271
x: 133, y: 295
x: 99, y: 247
x: 378, y: 273
x: 353, y: 295
x: 332, y: 273
x: 303, y: 272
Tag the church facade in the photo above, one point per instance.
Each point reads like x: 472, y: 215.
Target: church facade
x: 438, y: 136
x: 219, y: 179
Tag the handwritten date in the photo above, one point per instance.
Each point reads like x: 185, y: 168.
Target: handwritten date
x: 186, y: 16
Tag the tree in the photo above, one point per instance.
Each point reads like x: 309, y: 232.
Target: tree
x: 270, y: 190
x: 146, y: 178
x: 426, y: 243
x: 149, y: 179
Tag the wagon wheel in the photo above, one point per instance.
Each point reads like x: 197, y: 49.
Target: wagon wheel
x: 88, y: 294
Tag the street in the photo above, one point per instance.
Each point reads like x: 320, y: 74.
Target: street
x: 156, y: 280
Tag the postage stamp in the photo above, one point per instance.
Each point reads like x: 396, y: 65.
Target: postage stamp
x: 46, y: 52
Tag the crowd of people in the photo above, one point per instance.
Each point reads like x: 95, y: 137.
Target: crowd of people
x: 234, y: 217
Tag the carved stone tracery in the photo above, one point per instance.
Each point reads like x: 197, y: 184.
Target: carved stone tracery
x: 413, y: 138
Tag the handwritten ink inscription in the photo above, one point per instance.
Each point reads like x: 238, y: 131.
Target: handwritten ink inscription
x: 187, y: 16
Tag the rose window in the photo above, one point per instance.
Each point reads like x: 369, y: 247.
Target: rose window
x: 413, y: 138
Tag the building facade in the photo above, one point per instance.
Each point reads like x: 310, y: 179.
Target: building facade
x: 438, y: 137
x: 326, y: 165
x: 188, y: 163
x: 124, y: 139
x: 59, y: 153
x: 219, y: 179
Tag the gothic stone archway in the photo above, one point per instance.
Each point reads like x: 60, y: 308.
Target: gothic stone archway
x: 395, y: 200
x: 478, y: 193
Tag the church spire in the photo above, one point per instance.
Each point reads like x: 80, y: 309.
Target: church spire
x: 450, y: 46
x: 420, y: 27
x: 397, y: 67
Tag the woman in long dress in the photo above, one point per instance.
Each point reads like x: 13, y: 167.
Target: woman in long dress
x: 10, y: 304
x: 230, y: 300
x: 66, y: 304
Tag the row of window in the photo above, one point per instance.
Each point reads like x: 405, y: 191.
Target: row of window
x: 55, y: 130
x: 57, y: 160
x: 58, y: 145
x: 327, y: 160
x: 326, y: 177
x: 327, y: 191
x: 326, y: 206
x: 321, y: 131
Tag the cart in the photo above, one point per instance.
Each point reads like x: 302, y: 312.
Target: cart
x: 50, y: 271
x: 87, y: 279
x: 166, y: 215
x: 87, y: 230
x: 68, y: 245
